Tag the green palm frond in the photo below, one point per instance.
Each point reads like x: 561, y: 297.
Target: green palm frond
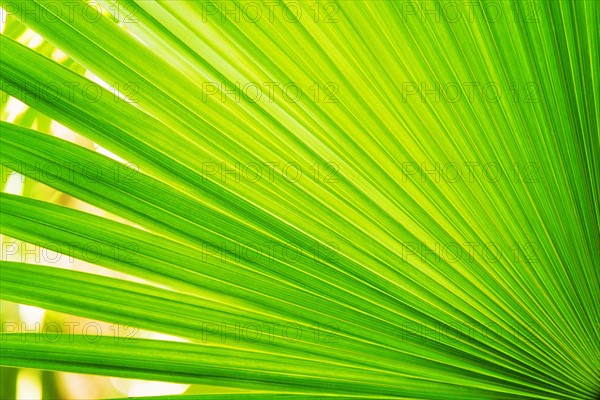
x: 349, y: 199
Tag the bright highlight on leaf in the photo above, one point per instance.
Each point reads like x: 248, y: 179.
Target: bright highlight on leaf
x: 302, y: 199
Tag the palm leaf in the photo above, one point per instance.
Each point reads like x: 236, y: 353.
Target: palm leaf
x: 398, y: 278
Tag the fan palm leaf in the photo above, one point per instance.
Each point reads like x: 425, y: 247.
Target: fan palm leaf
x: 350, y: 198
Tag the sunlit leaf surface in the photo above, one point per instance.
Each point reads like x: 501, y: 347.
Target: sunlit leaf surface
x: 300, y: 199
